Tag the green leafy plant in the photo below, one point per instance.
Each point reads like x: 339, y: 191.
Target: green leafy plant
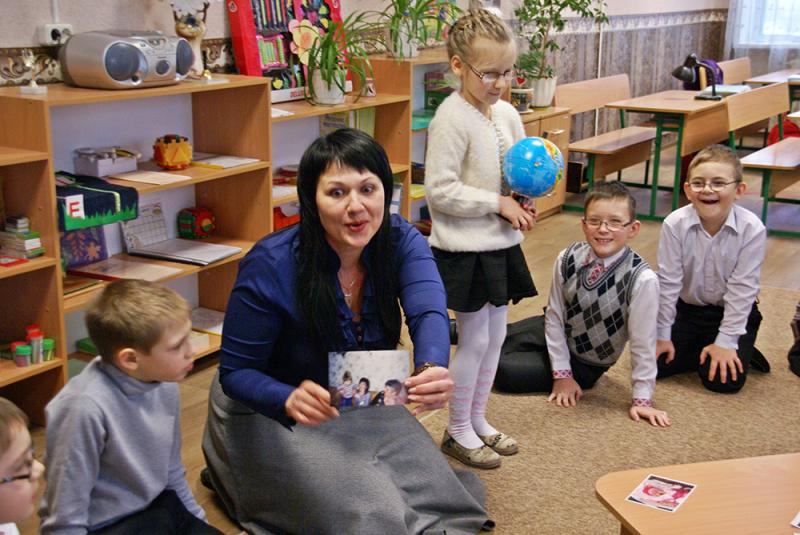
x: 416, y: 21
x: 539, y: 20
x: 343, y: 47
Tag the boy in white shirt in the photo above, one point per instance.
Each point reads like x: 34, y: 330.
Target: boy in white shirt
x: 603, y: 295
x: 709, y: 256
x: 20, y: 473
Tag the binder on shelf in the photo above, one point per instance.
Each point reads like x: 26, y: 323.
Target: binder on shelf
x: 147, y: 236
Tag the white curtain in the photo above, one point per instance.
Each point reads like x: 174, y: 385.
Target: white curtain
x: 768, y: 31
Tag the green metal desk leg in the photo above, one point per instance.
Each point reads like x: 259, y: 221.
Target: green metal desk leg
x: 732, y: 141
x: 767, y: 176
x: 590, y: 171
x: 676, y: 186
x: 656, y: 164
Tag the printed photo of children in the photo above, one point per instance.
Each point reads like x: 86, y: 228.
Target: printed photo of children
x: 381, y: 375
x: 661, y: 493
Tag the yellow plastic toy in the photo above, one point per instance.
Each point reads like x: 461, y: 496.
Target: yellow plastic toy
x: 172, y: 152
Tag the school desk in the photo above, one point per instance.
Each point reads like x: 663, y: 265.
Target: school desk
x: 780, y: 168
x: 732, y: 497
x: 698, y: 123
x: 779, y: 77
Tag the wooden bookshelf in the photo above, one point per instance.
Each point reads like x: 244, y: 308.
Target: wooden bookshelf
x: 231, y: 117
x: 196, y: 175
x: 302, y: 109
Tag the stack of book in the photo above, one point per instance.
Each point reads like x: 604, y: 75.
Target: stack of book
x: 21, y: 244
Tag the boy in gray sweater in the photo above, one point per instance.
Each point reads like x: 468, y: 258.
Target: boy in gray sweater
x: 113, y: 432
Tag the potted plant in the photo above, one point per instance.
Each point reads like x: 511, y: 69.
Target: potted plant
x: 410, y: 23
x: 333, y: 53
x: 539, y: 20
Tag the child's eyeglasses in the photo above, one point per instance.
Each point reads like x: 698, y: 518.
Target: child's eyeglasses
x: 613, y: 225
x: 490, y: 78
x: 716, y: 185
x: 30, y: 475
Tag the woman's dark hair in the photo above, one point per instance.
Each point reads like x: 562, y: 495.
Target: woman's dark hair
x: 317, y: 267
x: 365, y: 381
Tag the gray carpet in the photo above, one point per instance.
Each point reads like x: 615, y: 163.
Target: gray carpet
x: 548, y: 488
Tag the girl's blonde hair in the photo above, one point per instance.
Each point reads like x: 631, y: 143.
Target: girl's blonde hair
x: 473, y: 24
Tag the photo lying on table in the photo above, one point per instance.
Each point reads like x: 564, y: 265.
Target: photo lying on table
x: 661, y: 493
x: 359, y: 379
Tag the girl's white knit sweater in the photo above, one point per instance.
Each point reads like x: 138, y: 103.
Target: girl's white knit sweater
x: 463, y: 175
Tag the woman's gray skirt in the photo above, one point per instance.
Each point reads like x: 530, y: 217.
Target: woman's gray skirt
x: 373, y: 470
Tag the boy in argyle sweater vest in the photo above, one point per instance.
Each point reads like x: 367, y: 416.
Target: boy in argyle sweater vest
x: 602, y: 296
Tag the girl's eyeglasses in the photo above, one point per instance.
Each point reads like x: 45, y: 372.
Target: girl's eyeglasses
x: 490, y: 78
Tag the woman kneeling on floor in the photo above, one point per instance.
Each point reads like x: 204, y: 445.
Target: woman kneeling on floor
x: 280, y: 457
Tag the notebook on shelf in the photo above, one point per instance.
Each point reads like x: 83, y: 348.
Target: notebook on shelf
x: 147, y: 236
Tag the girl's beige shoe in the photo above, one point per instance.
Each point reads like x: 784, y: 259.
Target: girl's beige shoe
x: 482, y: 457
x: 500, y: 443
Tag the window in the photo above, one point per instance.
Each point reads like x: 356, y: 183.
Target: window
x: 767, y: 22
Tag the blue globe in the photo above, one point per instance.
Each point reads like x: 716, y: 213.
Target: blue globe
x: 533, y: 166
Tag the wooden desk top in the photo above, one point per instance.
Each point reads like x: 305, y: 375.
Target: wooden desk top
x: 674, y: 101
x: 776, y: 77
x: 782, y: 156
x: 736, y: 496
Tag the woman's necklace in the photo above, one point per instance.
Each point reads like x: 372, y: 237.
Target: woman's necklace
x: 347, y: 289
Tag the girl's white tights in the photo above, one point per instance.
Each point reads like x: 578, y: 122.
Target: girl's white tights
x: 480, y: 337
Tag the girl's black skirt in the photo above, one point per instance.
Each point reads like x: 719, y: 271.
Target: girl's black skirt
x: 473, y: 279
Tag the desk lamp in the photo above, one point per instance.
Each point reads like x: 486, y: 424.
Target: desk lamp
x: 686, y: 73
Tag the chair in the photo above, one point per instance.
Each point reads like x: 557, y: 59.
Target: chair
x: 612, y: 151
x: 736, y: 71
x: 756, y: 106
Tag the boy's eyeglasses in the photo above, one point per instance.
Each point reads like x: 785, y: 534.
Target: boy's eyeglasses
x: 613, y: 225
x: 490, y: 78
x: 11, y: 479
x: 716, y: 185
x: 29, y: 475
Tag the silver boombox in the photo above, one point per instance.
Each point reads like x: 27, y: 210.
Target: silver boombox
x: 125, y: 59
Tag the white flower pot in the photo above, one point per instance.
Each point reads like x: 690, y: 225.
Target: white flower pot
x: 403, y: 46
x: 326, y: 94
x: 543, y: 91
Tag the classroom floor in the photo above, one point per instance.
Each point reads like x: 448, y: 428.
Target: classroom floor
x: 548, y: 487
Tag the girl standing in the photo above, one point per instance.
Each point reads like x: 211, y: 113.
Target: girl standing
x: 477, y: 226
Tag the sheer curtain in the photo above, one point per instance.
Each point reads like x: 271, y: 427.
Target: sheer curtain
x: 768, y: 31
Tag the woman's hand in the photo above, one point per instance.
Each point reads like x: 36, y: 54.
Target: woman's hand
x: 310, y: 404
x: 431, y: 389
x: 520, y: 217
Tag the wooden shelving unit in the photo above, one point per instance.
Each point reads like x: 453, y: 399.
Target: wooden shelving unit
x: 227, y: 118
x: 392, y: 126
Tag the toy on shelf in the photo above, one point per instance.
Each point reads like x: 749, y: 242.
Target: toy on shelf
x: 172, y: 152
x: 104, y: 161
x: 35, y: 349
x: 194, y: 223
